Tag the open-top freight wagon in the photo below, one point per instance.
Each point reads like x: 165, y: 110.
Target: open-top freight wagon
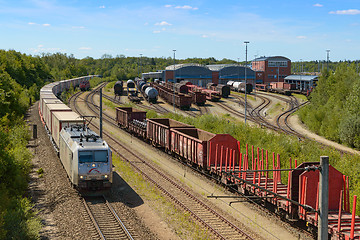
x: 198, y: 97
x: 222, y: 156
x: 182, y: 101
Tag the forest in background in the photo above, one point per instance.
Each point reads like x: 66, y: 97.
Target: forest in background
x: 333, y: 112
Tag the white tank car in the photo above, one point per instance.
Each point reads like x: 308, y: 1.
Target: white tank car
x: 86, y: 158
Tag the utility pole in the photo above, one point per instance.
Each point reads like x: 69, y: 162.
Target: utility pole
x: 239, y: 70
x: 174, y: 80
x: 101, y: 113
x: 323, y: 198
x: 140, y: 66
x: 246, y: 43
x: 327, y: 59
x: 255, y: 76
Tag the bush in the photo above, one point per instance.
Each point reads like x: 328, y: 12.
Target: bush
x: 350, y: 131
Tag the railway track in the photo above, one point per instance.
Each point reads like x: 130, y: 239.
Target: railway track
x: 214, y: 222
x: 204, y: 110
x: 107, y: 223
x: 282, y: 123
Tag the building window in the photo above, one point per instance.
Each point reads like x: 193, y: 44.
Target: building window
x: 277, y: 63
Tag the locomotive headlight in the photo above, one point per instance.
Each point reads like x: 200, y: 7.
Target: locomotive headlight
x: 93, y: 165
x: 81, y: 177
x: 105, y: 176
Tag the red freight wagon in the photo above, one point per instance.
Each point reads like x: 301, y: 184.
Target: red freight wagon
x: 198, y: 98
x: 194, y: 145
x: 158, y: 130
x: 181, y: 88
x: 183, y: 101
x: 124, y: 115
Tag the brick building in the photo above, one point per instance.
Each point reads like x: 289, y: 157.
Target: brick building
x: 271, y: 69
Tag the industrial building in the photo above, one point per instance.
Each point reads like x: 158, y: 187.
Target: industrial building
x: 201, y: 75
x: 303, y: 82
x: 222, y: 73
x: 271, y: 69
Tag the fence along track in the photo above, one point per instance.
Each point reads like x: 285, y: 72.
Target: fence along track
x: 107, y: 223
x: 217, y: 224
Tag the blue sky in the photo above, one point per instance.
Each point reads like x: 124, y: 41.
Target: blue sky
x: 217, y: 28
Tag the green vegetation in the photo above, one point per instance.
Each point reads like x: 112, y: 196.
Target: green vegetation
x: 311, y: 67
x: 21, y: 77
x: 335, y: 104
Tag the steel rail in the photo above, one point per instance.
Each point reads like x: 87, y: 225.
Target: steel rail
x: 174, y: 184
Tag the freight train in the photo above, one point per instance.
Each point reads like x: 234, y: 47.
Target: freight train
x: 86, y: 158
x: 180, y: 100
x: 149, y: 92
x: 197, y: 96
x: 281, y: 88
x: 240, y: 86
x: 223, y: 158
x: 224, y: 90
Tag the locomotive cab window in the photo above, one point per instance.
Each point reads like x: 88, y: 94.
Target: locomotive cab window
x: 100, y: 156
x: 93, y: 156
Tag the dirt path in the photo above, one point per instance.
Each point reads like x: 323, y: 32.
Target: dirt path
x: 300, y: 127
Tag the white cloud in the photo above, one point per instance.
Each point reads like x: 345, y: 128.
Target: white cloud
x: 204, y: 36
x: 163, y: 23
x: 102, y: 6
x: 78, y: 27
x: 85, y: 48
x: 346, y: 12
x: 318, y: 5
x: 187, y: 7
x: 46, y: 25
x: 168, y: 6
x: 156, y: 31
x: 40, y: 48
x: 31, y: 23
x: 301, y: 37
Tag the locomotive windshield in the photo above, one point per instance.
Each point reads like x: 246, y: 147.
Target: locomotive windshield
x: 93, y: 156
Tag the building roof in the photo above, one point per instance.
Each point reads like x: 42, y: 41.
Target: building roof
x: 182, y: 65
x: 274, y: 58
x: 302, y: 77
x: 218, y: 67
